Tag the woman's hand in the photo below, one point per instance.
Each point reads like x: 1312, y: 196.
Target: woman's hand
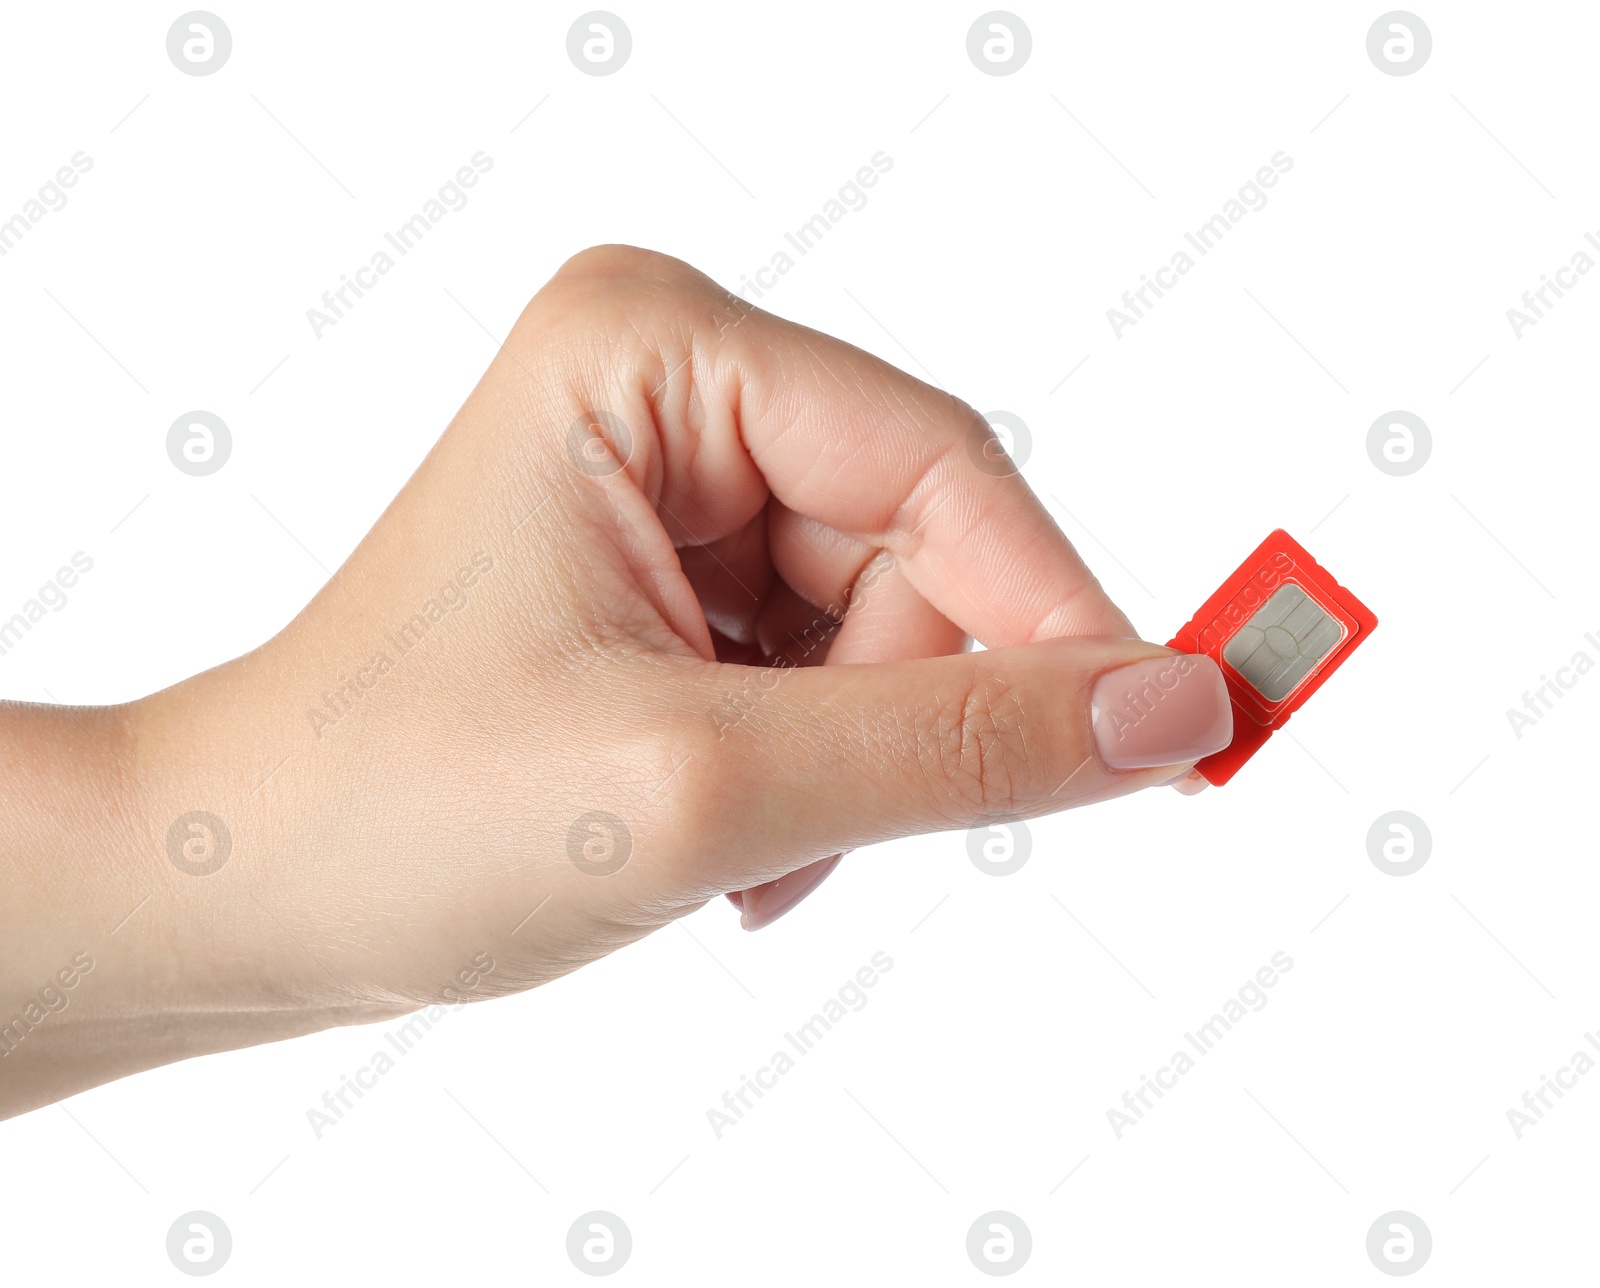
x: 678, y: 606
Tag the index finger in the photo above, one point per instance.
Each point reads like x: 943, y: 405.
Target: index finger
x: 849, y: 441
x: 744, y: 406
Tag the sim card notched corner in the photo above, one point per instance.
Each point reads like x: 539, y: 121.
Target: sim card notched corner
x: 1279, y: 626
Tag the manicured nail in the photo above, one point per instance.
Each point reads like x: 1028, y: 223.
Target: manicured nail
x: 766, y: 903
x: 1161, y: 711
x: 1191, y: 784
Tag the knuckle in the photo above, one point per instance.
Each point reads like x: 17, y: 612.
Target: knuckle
x: 614, y: 317
x: 681, y: 800
x: 973, y: 751
x: 627, y: 268
x: 679, y: 768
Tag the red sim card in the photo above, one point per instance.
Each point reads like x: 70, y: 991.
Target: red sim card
x: 1278, y: 628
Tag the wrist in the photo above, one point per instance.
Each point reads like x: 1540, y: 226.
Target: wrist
x: 120, y: 958
x: 223, y: 823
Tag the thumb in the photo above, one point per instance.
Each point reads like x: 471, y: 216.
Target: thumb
x: 821, y: 760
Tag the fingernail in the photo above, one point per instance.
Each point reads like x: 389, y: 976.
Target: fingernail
x: 766, y: 903
x: 1191, y: 784
x: 1161, y: 711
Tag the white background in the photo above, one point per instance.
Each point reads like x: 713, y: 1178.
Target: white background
x: 1019, y: 1009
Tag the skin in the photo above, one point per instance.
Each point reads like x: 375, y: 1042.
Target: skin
x: 619, y: 654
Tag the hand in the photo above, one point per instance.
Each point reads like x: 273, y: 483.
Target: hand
x: 678, y: 606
